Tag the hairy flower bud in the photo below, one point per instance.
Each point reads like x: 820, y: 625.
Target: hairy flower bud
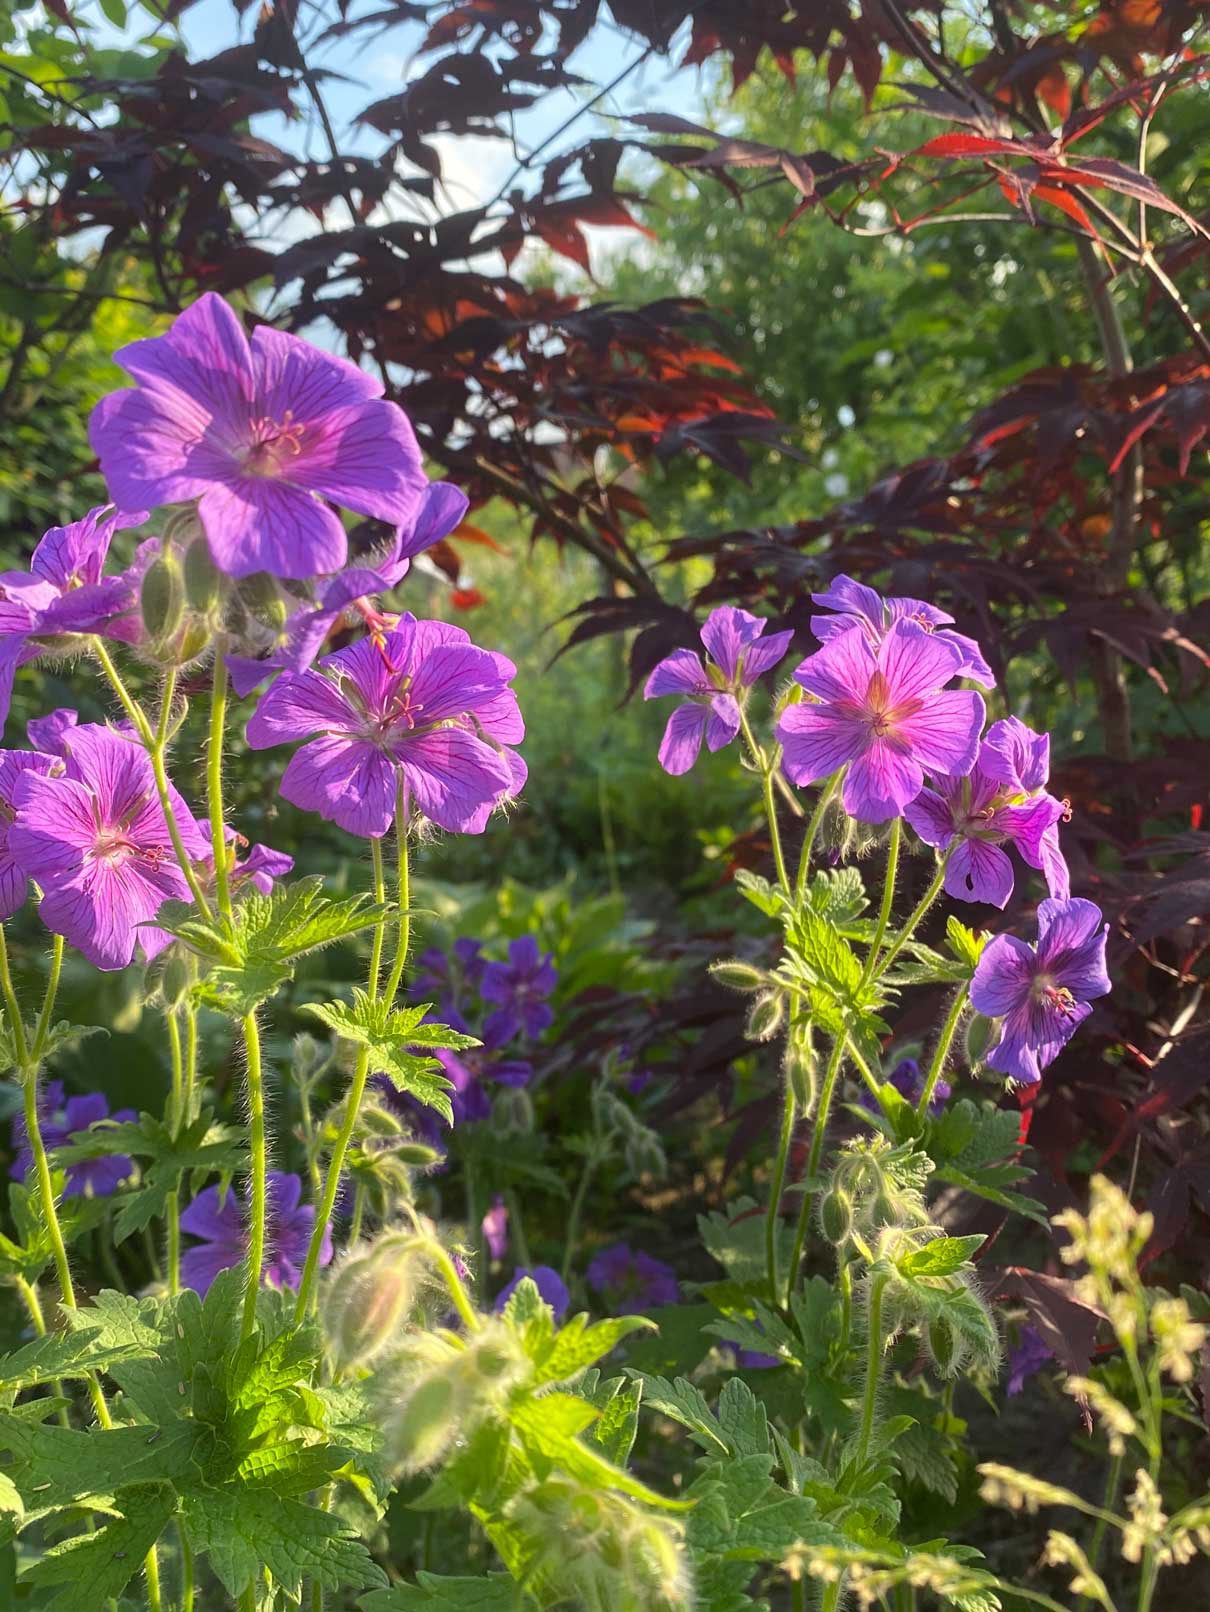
x: 945, y: 1346
x: 262, y: 597
x: 203, y: 580
x: 736, y: 975
x: 162, y: 598
x: 766, y: 1016
x: 420, y: 1427
x: 978, y: 1039
x: 513, y: 1111
x: 801, y: 1069
x: 836, y: 1216
x: 369, y: 1298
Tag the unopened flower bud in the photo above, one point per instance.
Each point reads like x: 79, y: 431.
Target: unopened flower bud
x: 944, y: 1346
x: 418, y: 1155
x: 193, y: 641
x: 736, y: 975
x: 801, y: 1070
x: 368, y: 1300
x: 836, y: 1216
x: 162, y: 598
x: 262, y: 596
x: 978, y: 1038
x: 203, y: 580
x: 513, y: 1111
x: 766, y: 1016
x: 418, y: 1429
x: 176, y: 976
x: 308, y: 1058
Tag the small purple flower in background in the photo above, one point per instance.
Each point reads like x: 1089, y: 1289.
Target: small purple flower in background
x: 58, y: 1120
x: 738, y: 656
x: 625, y: 1276
x: 472, y: 1072
x: 885, y: 714
x: 14, y: 883
x: 908, y: 1079
x: 520, y: 987
x: 549, y: 1283
x: 64, y: 591
x: 1041, y: 995
x: 49, y: 733
x: 259, y: 867
x: 495, y: 1228
x: 1026, y: 1359
x: 260, y: 433
x: 441, y: 974
x: 1001, y: 801
x: 307, y: 629
x: 219, y: 1222
x: 96, y: 841
x: 410, y: 707
x: 859, y: 606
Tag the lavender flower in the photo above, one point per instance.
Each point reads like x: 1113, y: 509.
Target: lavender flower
x: 218, y: 1222
x: 64, y: 591
x: 260, y: 434
x: 422, y: 705
x: 884, y: 715
x: 710, y: 688
x: 439, y: 974
x: 549, y: 1283
x: 495, y: 1228
x: 1026, y: 1359
x: 908, y: 1079
x: 96, y: 841
x: 1001, y: 801
x: 520, y: 987
x: 58, y: 1120
x: 307, y: 629
x: 14, y: 883
x: 1042, y: 995
x: 859, y: 606
x: 629, y: 1278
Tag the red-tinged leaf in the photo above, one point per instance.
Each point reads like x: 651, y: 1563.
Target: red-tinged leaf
x: 974, y: 145
x: 466, y: 533
x: 566, y: 240
x: 467, y: 598
x: 1066, y: 203
x: 1066, y: 1321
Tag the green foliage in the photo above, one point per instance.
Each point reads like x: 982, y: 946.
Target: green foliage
x: 391, y: 1036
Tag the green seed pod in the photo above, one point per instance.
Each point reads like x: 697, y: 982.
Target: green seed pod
x: 193, y: 642
x: 766, y: 1016
x: 203, y: 579
x: 801, y: 1070
x: 263, y: 598
x: 176, y: 977
x: 162, y: 598
x: 736, y: 975
x: 417, y: 1155
x: 836, y: 1216
x: 978, y: 1039
x: 945, y: 1346
x: 419, y: 1430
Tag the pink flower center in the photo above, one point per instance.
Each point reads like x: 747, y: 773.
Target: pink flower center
x: 271, y: 445
x: 882, y: 715
x: 1056, y: 997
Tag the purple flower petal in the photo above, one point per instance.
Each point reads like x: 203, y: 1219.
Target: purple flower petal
x: 978, y: 871
x: 726, y: 633
x: 679, y: 673
x: 682, y: 741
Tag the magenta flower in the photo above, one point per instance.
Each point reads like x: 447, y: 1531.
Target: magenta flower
x: 261, y: 433
x: 14, y: 764
x: 420, y: 704
x: 306, y: 630
x: 1041, y: 995
x: 520, y: 987
x: 219, y: 1222
x: 859, y: 606
x: 631, y: 1279
x: 59, y: 1120
x: 1001, y: 801
x: 883, y: 715
x: 64, y: 591
x: 95, y: 840
x: 495, y: 1228
x: 549, y: 1283
x: 908, y: 1078
x: 737, y: 657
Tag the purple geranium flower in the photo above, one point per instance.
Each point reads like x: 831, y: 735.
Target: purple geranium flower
x: 64, y: 591
x: 416, y: 705
x: 58, y: 1120
x: 14, y: 764
x: 908, y: 1080
x: 307, y: 629
x: 736, y: 659
x: 520, y: 987
x: 218, y: 1221
x: 626, y: 1276
x: 1026, y: 1359
x: 471, y: 1071
x: 95, y: 840
x: 549, y: 1283
x: 884, y: 714
x: 261, y: 433
x: 1042, y: 995
x: 447, y: 974
x: 495, y: 1228
x: 859, y: 606
x: 1002, y: 800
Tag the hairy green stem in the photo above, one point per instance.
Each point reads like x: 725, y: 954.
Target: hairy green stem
x: 777, y: 1186
x: 873, y: 1371
x: 516, y: 1223
x: 888, y: 901
x: 186, y: 1565
x: 767, y: 766
x: 403, y: 896
x: 172, y: 1206
x: 380, y: 890
x: 812, y: 833
x: 822, y: 1113
x: 214, y: 780
x: 918, y: 912
x: 259, y: 1162
x: 942, y: 1049
x: 577, y: 1209
x: 151, y: 1568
